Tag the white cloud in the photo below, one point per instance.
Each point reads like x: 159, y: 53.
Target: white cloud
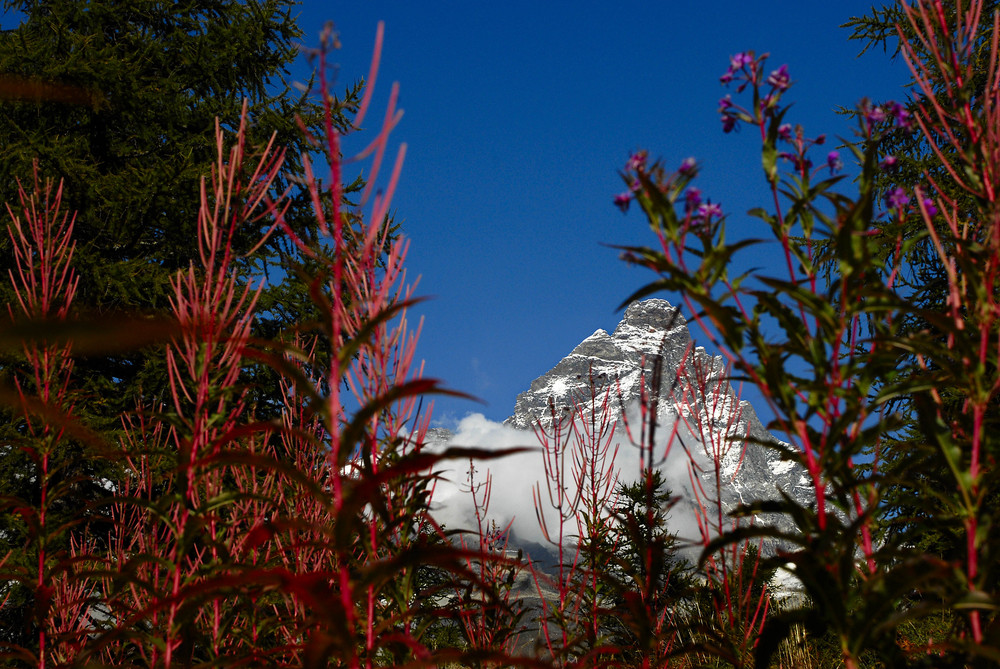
x: 514, y: 477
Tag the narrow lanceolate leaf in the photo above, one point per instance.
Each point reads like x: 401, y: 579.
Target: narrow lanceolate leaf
x: 107, y: 334
x: 769, y: 151
x: 39, y: 90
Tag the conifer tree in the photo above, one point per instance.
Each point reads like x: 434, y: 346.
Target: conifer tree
x: 118, y: 99
x: 908, y: 161
x: 152, y: 77
x: 647, y: 565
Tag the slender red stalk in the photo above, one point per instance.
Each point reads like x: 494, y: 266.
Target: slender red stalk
x: 44, y: 285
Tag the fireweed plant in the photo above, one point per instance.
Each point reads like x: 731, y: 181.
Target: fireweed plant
x: 306, y: 540
x: 298, y: 541
x: 620, y: 593
x: 572, y: 508
x: 487, y: 611
x: 827, y: 378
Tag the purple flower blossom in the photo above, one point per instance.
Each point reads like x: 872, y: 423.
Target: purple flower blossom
x: 692, y: 198
x: 688, y: 167
x: 779, y: 78
x: 725, y: 103
x: 889, y: 163
x: 708, y: 210
x: 636, y: 162
x: 785, y: 132
x: 833, y: 162
x: 897, y: 199
x: 635, y: 186
x: 875, y: 116
x: 930, y: 207
x: 622, y: 200
x: 728, y: 123
x: 899, y: 114
x: 736, y: 63
x: 739, y: 60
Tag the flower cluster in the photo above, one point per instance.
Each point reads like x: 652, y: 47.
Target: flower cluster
x: 747, y: 69
x: 798, y: 156
x: 697, y: 212
x: 635, y: 167
x: 892, y: 112
x: 637, y: 162
x: 779, y: 79
x: 740, y: 64
x: 694, y: 207
x: 897, y: 200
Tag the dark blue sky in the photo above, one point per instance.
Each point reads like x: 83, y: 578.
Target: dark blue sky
x: 518, y: 116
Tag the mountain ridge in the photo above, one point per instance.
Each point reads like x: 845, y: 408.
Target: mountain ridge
x: 706, y: 432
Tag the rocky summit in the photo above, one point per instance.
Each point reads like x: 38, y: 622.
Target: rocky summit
x: 651, y: 331
x: 651, y: 358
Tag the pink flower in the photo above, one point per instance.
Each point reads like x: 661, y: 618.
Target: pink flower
x: 736, y: 63
x: 833, y: 162
x: 875, y: 116
x: 739, y: 60
x: 688, y: 167
x: 636, y: 162
x: 897, y: 199
x: 900, y: 115
x: 622, y: 201
x: 708, y: 210
x: 779, y: 78
x: 692, y: 198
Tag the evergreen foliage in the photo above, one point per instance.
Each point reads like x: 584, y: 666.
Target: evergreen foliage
x: 118, y: 100
x: 157, y: 76
x: 647, y: 561
x: 308, y: 540
x: 916, y: 159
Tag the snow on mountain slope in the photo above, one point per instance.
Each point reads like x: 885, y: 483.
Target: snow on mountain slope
x: 650, y: 358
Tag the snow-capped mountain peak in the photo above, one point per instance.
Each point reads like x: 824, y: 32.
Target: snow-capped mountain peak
x: 653, y: 345
x: 703, y: 429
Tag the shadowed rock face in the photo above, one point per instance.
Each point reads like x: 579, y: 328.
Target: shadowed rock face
x: 649, y: 330
x: 651, y: 357
x: 652, y: 347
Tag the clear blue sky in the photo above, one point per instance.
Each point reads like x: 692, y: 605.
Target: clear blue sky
x: 518, y: 116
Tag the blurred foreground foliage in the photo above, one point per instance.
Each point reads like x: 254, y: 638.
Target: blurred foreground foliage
x: 210, y: 462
